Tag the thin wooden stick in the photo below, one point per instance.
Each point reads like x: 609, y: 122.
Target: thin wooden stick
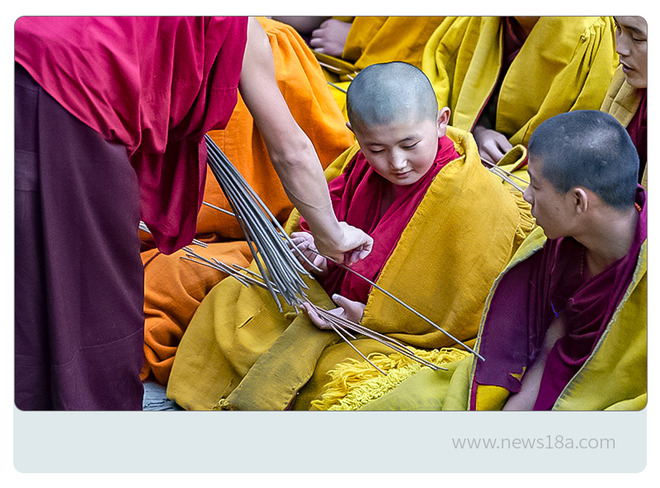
x: 142, y: 226
x: 271, y: 218
x: 400, y: 302
x: 219, y: 209
x: 261, y: 229
x: 372, y: 334
x: 339, y: 70
x: 340, y: 334
x: 337, y: 87
x: 236, y: 197
x: 505, y: 175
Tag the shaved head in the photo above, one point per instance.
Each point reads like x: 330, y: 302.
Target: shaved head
x: 588, y: 148
x: 383, y: 93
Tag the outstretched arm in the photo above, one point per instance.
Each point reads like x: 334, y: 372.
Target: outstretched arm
x: 293, y: 155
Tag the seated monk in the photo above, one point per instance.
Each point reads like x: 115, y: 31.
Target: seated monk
x: 419, y: 189
x: 626, y: 98
x: 175, y: 287
x: 346, y: 45
x: 565, y: 327
x: 502, y: 76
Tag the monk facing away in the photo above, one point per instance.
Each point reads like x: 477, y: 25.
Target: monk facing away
x: 565, y: 326
x: 419, y: 189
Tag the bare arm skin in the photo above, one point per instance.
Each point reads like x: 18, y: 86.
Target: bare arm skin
x: 292, y: 153
x: 526, y: 397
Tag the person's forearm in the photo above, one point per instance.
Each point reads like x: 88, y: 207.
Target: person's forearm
x: 304, y: 183
x: 291, y: 152
x: 293, y: 155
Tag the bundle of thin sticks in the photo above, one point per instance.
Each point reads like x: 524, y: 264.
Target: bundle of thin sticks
x: 263, y: 232
x: 280, y: 271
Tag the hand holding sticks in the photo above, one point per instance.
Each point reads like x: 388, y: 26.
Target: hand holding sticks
x: 279, y: 270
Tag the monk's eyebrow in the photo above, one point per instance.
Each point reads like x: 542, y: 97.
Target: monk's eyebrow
x: 405, y: 139
x: 635, y: 30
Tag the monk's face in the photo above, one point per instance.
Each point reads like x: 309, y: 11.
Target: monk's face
x: 402, y: 151
x: 631, y: 34
x: 550, y: 208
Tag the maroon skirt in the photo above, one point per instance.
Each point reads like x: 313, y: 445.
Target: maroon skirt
x: 78, y: 275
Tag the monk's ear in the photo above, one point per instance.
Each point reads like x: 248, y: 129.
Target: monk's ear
x: 443, y: 120
x: 580, y: 200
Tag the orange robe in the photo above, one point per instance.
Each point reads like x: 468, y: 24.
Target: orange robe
x: 175, y: 287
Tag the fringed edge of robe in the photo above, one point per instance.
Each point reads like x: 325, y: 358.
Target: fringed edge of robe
x: 269, y: 380
x: 356, y: 383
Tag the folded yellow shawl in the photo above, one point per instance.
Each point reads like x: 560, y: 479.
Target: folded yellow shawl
x: 239, y: 352
x: 565, y: 64
x: 613, y: 378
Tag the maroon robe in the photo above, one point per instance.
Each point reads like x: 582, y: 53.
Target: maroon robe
x: 637, y: 130
x: 110, y: 115
x: 155, y: 85
x: 550, y: 283
x: 356, y: 198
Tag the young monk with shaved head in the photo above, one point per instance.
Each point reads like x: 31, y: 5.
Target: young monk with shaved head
x: 394, y: 114
x: 418, y: 188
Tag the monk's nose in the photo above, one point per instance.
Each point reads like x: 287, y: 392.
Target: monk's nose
x: 397, y: 161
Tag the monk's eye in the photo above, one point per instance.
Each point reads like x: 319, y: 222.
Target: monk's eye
x: 411, y: 146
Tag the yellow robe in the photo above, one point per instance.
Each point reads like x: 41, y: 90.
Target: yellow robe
x: 373, y: 40
x: 621, y: 102
x: 174, y: 287
x: 614, y: 377
x: 239, y: 352
x: 565, y: 64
